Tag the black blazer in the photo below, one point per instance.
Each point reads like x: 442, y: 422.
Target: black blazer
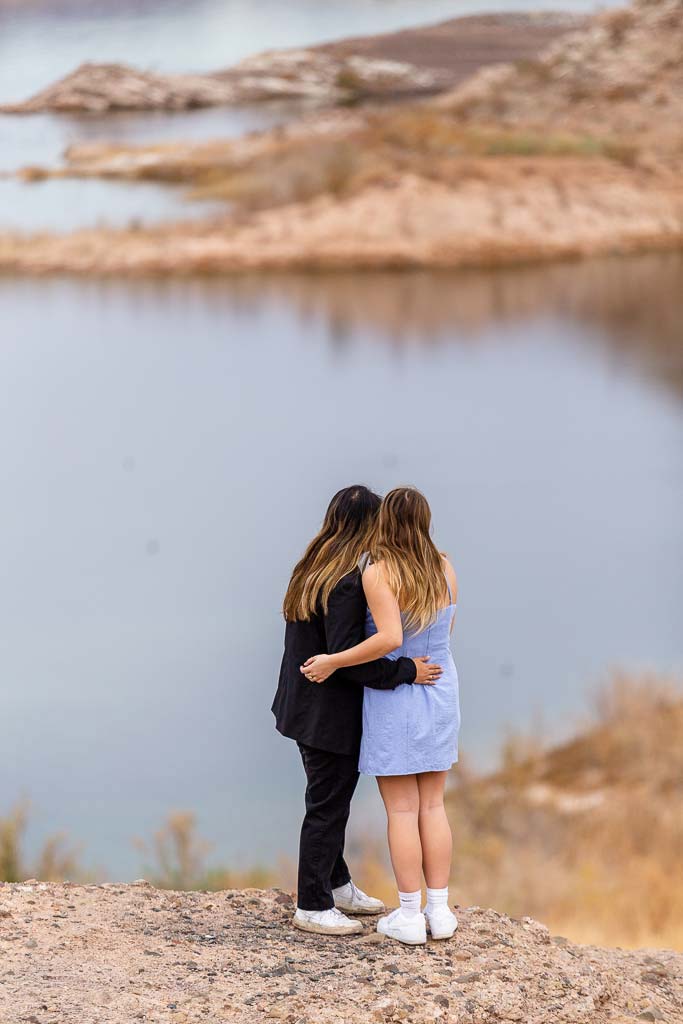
x: 329, y: 715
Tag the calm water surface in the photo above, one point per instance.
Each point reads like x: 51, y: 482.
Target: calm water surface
x: 168, y: 449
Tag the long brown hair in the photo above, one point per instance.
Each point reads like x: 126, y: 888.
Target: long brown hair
x: 411, y: 562
x: 336, y: 550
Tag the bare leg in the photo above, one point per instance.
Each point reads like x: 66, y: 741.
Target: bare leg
x: 435, y: 830
x: 402, y: 802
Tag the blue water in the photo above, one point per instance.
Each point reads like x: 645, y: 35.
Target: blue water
x: 168, y: 448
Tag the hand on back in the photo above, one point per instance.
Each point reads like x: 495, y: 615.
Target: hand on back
x: 427, y: 672
x: 318, y: 668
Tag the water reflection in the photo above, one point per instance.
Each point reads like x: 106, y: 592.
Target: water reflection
x: 633, y: 305
x: 167, y: 446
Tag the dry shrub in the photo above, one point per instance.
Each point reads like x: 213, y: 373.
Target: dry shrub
x: 12, y: 828
x: 179, y: 860
x: 352, y: 84
x: 587, y: 836
x: 419, y: 140
x: 423, y: 130
x: 540, y: 71
x: 292, y: 174
x: 618, y: 23
x: 56, y: 861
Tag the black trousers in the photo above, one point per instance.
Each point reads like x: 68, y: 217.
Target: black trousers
x: 331, y: 782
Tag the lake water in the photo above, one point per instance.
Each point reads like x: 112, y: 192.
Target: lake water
x: 168, y: 448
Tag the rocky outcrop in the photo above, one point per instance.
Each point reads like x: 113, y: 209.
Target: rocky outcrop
x: 292, y: 75
x: 119, y: 953
x: 411, y: 62
x: 624, y: 71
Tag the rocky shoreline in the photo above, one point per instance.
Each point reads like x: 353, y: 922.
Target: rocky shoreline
x: 576, y: 153
x: 117, y: 953
x: 522, y: 216
x: 412, y: 62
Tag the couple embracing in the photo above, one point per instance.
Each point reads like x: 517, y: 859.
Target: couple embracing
x: 368, y: 685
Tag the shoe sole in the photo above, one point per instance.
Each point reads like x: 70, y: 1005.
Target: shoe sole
x: 359, y: 912
x: 406, y: 942
x: 310, y: 926
x: 443, y: 935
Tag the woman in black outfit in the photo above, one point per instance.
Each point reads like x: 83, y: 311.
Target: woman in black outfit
x: 324, y: 609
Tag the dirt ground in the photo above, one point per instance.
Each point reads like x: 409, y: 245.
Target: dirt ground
x: 116, y: 954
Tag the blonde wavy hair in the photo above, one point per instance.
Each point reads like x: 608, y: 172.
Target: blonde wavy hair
x: 410, y: 561
x: 333, y: 553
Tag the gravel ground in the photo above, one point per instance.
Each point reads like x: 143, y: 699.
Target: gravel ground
x: 116, y: 954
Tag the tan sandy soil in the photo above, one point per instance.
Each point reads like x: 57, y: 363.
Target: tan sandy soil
x: 115, y: 954
x: 498, y: 215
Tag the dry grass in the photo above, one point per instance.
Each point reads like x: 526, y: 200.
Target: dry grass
x: 179, y: 860
x: 424, y: 130
x: 588, y: 836
x: 419, y: 140
x: 178, y: 857
x: 289, y: 174
x: 277, y: 169
x: 618, y: 23
x: 55, y: 862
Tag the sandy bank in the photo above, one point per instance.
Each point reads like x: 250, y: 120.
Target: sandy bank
x: 563, y: 209
x: 120, y: 953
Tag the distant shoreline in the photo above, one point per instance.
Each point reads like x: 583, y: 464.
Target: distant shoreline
x: 574, y: 153
x: 409, y: 62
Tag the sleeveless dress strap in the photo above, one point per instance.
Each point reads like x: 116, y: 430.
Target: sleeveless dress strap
x: 448, y: 584
x: 364, y: 561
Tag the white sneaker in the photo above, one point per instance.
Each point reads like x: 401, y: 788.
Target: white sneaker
x: 441, y: 922
x: 411, y: 930
x: 354, y: 901
x: 325, y: 922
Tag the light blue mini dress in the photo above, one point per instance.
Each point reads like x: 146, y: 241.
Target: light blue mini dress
x: 414, y: 728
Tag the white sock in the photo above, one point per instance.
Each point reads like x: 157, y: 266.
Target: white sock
x: 437, y: 898
x: 410, y: 902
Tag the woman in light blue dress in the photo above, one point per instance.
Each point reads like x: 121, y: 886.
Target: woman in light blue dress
x: 410, y: 734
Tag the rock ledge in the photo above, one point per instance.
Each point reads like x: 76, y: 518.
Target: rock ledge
x: 118, y: 953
